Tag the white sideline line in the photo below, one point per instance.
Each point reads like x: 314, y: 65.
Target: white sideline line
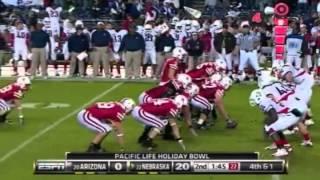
x: 55, y: 124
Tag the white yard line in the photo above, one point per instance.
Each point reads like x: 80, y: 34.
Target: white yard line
x: 275, y: 177
x: 56, y: 123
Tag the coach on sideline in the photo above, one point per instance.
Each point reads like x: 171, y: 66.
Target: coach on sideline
x: 78, y: 43
x: 164, y: 46
x: 39, y: 39
x: 133, y: 46
x: 101, y: 41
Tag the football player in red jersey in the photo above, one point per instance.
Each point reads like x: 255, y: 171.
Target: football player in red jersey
x: 102, y: 117
x: 211, y: 93
x: 11, y: 95
x: 171, y: 66
x: 157, y: 114
x: 205, y: 70
x: 168, y: 90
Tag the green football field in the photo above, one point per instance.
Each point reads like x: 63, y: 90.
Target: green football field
x: 51, y: 130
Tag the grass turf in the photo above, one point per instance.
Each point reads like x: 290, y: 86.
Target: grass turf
x: 70, y: 136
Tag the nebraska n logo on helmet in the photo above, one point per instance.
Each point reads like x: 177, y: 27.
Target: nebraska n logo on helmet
x: 179, y: 53
x: 184, y: 79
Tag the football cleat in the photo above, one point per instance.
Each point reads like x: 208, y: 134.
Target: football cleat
x: 180, y: 142
x: 148, y: 144
x: 280, y: 153
x: 288, y: 132
x: 309, y: 122
x: 231, y: 124
x: 273, y: 146
x: 307, y: 143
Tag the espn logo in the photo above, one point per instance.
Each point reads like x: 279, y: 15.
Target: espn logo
x: 49, y: 166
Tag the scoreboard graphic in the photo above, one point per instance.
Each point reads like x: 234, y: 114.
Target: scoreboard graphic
x: 160, y: 163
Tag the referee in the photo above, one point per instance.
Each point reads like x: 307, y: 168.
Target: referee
x: 248, y: 43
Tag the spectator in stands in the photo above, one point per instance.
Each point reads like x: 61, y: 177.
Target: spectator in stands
x: 206, y: 39
x: 78, y: 43
x: 127, y: 22
x: 303, y: 6
x: 39, y: 40
x: 168, y: 9
x: 133, y: 9
x: 164, y: 46
x: 101, y: 42
x: 194, y: 47
x: 210, y: 3
x: 133, y: 46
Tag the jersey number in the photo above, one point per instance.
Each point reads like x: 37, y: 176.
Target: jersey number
x: 160, y: 102
x: 105, y: 105
x: 54, y: 14
x: 117, y: 38
x: 148, y: 37
x: 283, y: 90
x: 21, y: 35
x: 6, y: 89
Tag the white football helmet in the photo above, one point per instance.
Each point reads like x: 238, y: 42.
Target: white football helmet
x: 193, y: 90
x: 255, y: 97
x: 79, y: 23
x: 284, y: 70
x: 23, y: 81
x: 178, y: 26
x: 217, y: 77
x: 195, y: 24
x: 217, y: 26
x: 180, y: 101
x: 148, y: 27
x: 187, y: 24
x: 174, y: 20
x: 226, y: 82
x: 220, y: 64
x: 184, y: 79
x: 179, y: 53
x: 128, y: 103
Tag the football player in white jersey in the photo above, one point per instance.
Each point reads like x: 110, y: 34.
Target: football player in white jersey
x: 20, y: 35
x: 279, y: 116
x: 286, y: 94
x: 149, y: 36
x: 188, y: 28
x: 54, y: 40
x: 178, y: 34
x: 54, y: 16
x: 68, y: 30
x: 303, y: 83
x: 117, y: 35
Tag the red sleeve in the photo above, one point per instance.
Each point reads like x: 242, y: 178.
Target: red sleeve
x: 173, y: 65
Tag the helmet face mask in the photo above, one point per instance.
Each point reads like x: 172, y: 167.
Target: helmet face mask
x: 180, y: 101
x: 193, y: 90
x: 255, y: 97
x: 226, y: 82
x: 179, y: 53
x: 184, y: 79
x: 23, y: 82
x: 220, y: 65
x: 128, y: 103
